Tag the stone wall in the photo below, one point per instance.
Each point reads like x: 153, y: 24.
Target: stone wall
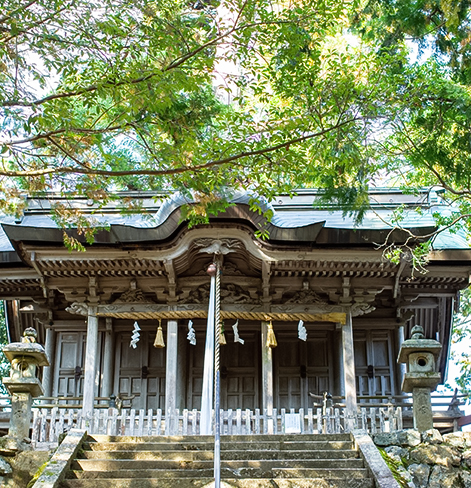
x: 428, y: 460
x: 18, y: 463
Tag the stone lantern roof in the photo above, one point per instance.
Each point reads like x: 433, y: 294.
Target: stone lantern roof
x: 418, y: 343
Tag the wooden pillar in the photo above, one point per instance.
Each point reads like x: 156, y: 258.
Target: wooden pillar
x: 267, y: 371
x: 182, y: 368
x: 108, y: 355
x: 171, y: 375
x: 349, y: 373
x: 90, y: 361
x: 48, y: 372
x: 340, y: 362
x: 402, y: 366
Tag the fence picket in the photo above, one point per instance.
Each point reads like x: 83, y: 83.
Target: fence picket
x: 132, y: 419
x: 150, y: 422
x: 391, y: 418
x: 257, y: 421
x: 70, y: 419
x: 140, y: 425
x: 42, y: 435
x: 106, y: 417
x: 248, y: 421
x: 319, y: 421
x: 265, y: 421
x: 283, y: 421
x: 124, y: 418
x: 176, y: 423
x: 113, y: 425
x: 36, y: 424
x: 52, y: 426
x: 338, y: 426
x: 301, y: 419
x: 373, y: 420
x: 364, y: 420
x: 194, y: 422
x: 159, y: 422
x: 230, y: 421
x: 185, y: 422
x: 399, y: 418
x: 60, y: 424
x: 326, y: 429
x: 381, y: 420
x: 80, y: 420
x: 94, y: 422
x: 310, y: 421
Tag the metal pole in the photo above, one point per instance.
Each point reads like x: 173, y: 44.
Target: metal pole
x: 217, y: 396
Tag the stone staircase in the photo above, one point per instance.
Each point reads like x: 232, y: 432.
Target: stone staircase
x: 283, y: 461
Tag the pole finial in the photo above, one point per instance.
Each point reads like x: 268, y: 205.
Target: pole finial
x: 212, y: 269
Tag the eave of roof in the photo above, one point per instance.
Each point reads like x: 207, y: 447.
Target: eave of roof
x: 295, y: 220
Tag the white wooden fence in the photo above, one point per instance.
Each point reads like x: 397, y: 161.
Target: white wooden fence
x: 49, y: 423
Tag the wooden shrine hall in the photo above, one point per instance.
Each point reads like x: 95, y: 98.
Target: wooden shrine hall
x: 315, y: 307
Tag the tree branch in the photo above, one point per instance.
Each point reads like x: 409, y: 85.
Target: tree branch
x: 23, y: 7
x: 75, y: 130
x: 166, y: 172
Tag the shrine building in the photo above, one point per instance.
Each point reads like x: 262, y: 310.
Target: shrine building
x: 316, y: 305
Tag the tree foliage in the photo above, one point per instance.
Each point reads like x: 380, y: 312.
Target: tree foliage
x: 120, y: 95
x: 429, y: 144
x: 212, y: 96
x: 461, y: 333
x: 233, y: 94
x: 96, y: 97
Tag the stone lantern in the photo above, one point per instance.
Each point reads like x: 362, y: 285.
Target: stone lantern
x: 420, y: 355
x: 23, y: 385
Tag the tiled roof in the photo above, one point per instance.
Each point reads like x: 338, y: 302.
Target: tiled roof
x: 296, y: 212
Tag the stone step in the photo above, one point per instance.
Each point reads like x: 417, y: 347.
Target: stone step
x: 225, y: 483
x: 225, y: 455
x: 262, y: 461
x: 224, y: 438
x: 163, y: 445
x: 265, y: 465
x: 346, y: 473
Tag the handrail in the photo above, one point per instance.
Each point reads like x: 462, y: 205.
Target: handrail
x: 60, y: 462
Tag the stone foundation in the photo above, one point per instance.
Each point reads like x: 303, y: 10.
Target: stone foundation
x: 18, y: 463
x: 428, y: 460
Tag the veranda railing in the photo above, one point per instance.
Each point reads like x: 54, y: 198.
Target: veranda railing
x: 53, y: 416
x: 50, y: 423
